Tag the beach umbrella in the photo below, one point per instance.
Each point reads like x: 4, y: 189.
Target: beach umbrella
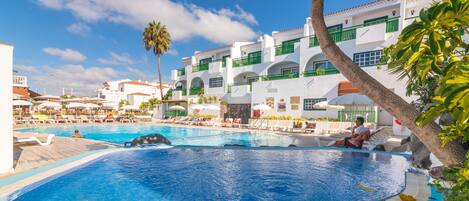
x: 262, y: 107
x: 50, y: 105
x: 21, y: 103
x: 325, y: 105
x: 351, y: 99
x: 177, y: 108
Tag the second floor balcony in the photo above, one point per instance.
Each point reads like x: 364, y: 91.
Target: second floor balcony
x: 200, y: 67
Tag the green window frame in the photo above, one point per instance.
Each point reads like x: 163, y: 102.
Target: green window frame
x: 324, y: 64
x: 334, y: 28
x: 215, y: 82
x: 223, y: 60
x: 254, y: 57
x: 205, y: 61
x: 370, y: 58
x: 374, y: 21
x: 308, y: 104
x: 289, y: 70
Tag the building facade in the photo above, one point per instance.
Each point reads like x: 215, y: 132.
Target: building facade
x: 6, y: 100
x: 287, y: 69
x: 133, y: 92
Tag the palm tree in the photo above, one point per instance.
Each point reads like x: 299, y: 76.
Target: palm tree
x: 157, y: 38
x: 451, y: 154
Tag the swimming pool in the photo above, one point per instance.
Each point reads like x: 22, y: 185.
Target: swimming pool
x: 118, y: 134
x: 197, y: 173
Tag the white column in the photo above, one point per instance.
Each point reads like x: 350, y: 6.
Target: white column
x: 6, y: 109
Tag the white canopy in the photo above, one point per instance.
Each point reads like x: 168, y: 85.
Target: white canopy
x: 21, y: 103
x: 130, y: 108
x: 212, y: 107
x: 177, y: 107
x: 197, y: 107
x: 75, y: 105
x: 325, y: 105
x: 262, y: 107
x: 351, y: 99
x: 50, y: 105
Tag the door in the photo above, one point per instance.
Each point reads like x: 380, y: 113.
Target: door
x: 242, y: 111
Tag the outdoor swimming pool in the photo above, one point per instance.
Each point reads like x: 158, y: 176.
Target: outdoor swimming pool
x: 118, y: 134
x: 196, y: 173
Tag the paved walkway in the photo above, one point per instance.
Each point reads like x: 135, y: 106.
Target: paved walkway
x: 29, y: 156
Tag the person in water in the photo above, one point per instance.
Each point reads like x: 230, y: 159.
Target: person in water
x: 77, y: 134
x: 359, y: 134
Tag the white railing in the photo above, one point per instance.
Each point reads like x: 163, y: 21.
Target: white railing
x: 20, y: 81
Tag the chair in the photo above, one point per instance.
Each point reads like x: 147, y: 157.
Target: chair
x: 376, y: 138
x: 310, y: 127
x: 35, y: 139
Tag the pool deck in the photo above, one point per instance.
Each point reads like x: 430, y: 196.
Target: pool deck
x: 28, y: 156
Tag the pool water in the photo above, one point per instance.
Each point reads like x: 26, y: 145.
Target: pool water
x: 195, y: 173
x: 119, y: 134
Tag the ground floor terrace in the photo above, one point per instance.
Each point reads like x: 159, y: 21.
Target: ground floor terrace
x: 35, y: 163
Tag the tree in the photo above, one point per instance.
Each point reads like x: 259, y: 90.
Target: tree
x: 152, y: 102
x: 432, y: 54
x: 157, y: 38
x: 122, y: 103
x: 451, y: 154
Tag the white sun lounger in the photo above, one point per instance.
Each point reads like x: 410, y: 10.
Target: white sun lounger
x: 35, y: 139
x: 376, y: 138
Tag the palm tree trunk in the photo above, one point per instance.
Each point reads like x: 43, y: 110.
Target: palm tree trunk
x: 159, y: 75
x: 451, y: 154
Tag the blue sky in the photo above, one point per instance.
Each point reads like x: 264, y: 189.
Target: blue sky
x: 80, y: 44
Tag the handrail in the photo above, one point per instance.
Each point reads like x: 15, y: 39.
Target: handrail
x: 247, y: 60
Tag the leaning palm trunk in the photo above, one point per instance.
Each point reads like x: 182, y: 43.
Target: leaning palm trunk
x: 451, y: 154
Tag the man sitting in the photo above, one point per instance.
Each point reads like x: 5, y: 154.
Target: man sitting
x: 359, y: 134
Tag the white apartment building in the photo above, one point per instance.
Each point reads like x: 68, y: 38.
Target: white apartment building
x: 134, y: 92
x: 287, y: 69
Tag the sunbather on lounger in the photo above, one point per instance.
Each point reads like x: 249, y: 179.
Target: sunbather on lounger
x: 359, y: 134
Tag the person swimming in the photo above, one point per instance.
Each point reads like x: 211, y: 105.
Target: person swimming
x: 77, y: 134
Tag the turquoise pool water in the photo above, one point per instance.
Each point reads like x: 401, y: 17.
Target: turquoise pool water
x: 197, y: 173
x: 118, y: 134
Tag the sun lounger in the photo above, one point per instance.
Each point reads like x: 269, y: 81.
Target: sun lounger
x: 35, y: 139
x: 376, y: 138
x: 84, y: 119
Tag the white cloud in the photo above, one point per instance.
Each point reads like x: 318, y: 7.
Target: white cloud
x: 117, y: 59
x: 184, y: 21
x: 54, y: 4
x: 83, y: 80
x: 65, y: 54
x: 79, y: 28
x: 173, y: 52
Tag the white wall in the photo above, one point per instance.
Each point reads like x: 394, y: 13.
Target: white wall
x: 6, y: 111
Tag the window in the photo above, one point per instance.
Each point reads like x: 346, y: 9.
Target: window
x: 289, y: 70
x: 223, y: 60
x: 326, y: 64
x: 375, y: 21
x: 215, y: 82
x: 308, y: 103
x: 255, y: 57
x: 370, y: 58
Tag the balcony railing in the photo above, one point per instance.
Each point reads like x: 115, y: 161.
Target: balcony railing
x: 284, y: 49
x: 195, y: 90
x: 392, y: 25
x: 181, y: 72
x: 200, y: 67
x: 320, y: 71
x: 249, y: 60
x: 350, y: 33
x: 280, y: 76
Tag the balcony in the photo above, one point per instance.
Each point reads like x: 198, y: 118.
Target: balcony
x: 20, y: 81
x: 181, y: 72
x: 200, y: 67
x: 284, y: 49
x: 391, y: 25
x: 280, y: 76
x: 240, y: 89
x: 196, y: 91
x: 183, y: 91
x: 249, y: 60
x: 320, y: 72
